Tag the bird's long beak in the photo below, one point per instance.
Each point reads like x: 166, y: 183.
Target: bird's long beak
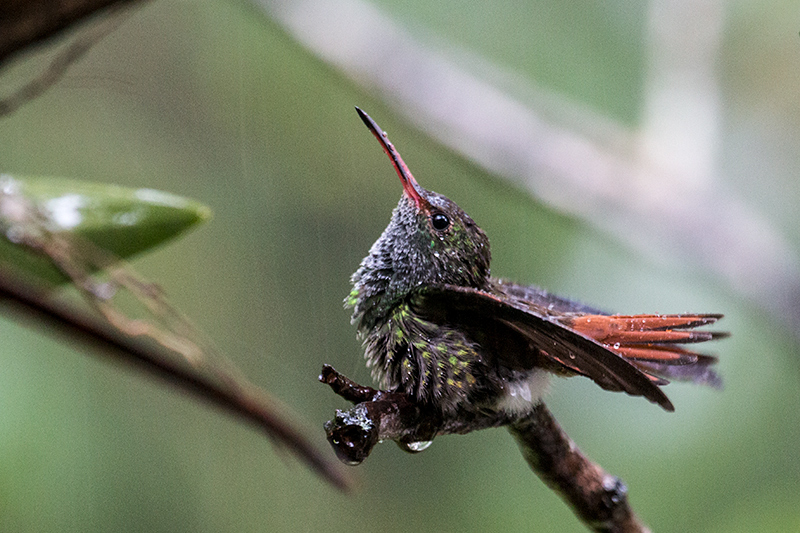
x: 410, y: 185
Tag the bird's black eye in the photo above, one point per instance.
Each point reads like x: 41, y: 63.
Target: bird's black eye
x: 440, y: 221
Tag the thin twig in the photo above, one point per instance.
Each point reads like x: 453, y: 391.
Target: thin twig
x: 27, y: 23
x: 64, y: 59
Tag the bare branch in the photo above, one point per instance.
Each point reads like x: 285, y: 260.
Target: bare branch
x: 26, y: 23
x: 241, y: 398
x: 597, y: 498
x: 161, y: 340
x: 63, y: 59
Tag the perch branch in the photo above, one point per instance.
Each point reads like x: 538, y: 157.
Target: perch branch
x: 598, y: 499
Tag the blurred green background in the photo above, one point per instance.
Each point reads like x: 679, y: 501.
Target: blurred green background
x: 213, y: 101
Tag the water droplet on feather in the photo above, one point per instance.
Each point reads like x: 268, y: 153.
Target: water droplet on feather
x: 415, y: 447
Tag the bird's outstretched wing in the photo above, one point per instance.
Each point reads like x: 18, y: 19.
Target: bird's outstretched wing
x: 524, y: 327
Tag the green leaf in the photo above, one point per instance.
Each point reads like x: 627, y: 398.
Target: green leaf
x: 119, y: 220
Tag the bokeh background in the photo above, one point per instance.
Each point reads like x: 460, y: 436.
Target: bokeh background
x: 218, y: 101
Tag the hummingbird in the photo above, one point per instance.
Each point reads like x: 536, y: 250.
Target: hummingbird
x: 438, y: 327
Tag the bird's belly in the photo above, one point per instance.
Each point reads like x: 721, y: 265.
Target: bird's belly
x: 520, y: 395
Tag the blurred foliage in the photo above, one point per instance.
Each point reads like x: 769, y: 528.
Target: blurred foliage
x: 122, y: 221
x: 211, y: 101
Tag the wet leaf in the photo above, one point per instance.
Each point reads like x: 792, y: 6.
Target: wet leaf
x: 119, y: 220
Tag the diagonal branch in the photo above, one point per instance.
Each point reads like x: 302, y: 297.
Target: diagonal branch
x: 23, y: 24
x: 598, y: 499
x: 239, y: 397
x: 26, y: 23
x: 64, y: 58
